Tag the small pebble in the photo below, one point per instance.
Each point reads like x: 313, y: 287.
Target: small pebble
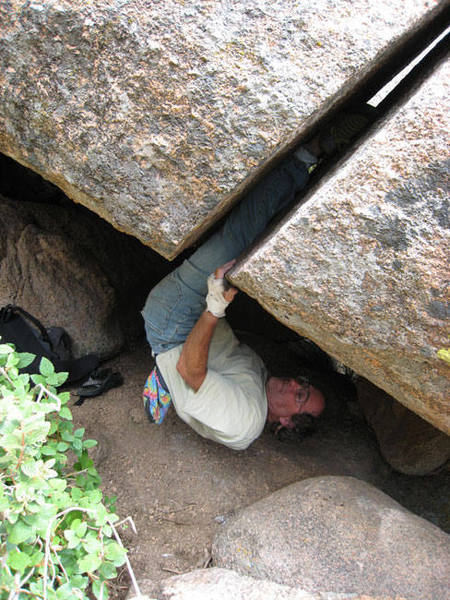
x: 220, y: 519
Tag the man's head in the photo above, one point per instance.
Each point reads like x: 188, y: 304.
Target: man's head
x: 289, y: 397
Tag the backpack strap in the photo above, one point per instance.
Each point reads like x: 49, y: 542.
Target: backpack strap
x: 78, y: 368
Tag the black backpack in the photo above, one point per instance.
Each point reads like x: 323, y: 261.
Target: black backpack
x: 28, y: 334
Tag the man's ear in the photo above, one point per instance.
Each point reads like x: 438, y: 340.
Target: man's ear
x: 287, y: 422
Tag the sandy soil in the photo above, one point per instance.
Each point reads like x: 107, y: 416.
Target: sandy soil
x: 179, y: 488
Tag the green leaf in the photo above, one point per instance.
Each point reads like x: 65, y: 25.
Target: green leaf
x: 12, y: 361
x: 115, y: 553
x: 85, y: 461
x: 22, y: 381
x: 4, y: 503
x: 66, y: 433
x: 13, y: 373
x: 89, y: 443
x: 30, y: 468
x: 66, y: 591
x: 6, y: 349
x: 36, y: 557
x: 77, y: 581
x: 72, y: 539
x: 37, y: 379
x: 95, y: 496
x: 53, y: 380
x: 71, y: 517
x: 62, y: 377
x: 102, y: 516
x: 58, y: 484
x: 12, y: 517
x: 92, y: 544
x: 20, y: 532
x: 64, y: 397
x: 25, y: 359
x: 76, y: 494
x: 45, y: 367
x: 18, y: 560
x: 80, y: 528
x: 100, y: 590
x: 65, y: 413
x: 75, y: 522
x: 53, y: 427
x: 107, y: 570
x: 89, y: 563
x: 71, y: 590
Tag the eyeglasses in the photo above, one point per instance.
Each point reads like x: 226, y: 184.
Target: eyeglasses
x: 304, y: 391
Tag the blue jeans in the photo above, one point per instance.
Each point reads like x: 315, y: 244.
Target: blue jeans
x: 176, y: 303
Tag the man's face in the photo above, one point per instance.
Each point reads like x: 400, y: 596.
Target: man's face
x: 288, y: 397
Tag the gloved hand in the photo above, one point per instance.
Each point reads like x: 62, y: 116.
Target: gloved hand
x: 219, y: 297
x: 215, y: 300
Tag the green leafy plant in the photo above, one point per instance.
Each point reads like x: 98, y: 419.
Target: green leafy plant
x: 57, y: 534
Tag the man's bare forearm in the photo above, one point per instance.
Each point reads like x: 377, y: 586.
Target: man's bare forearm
x: 193, y: 361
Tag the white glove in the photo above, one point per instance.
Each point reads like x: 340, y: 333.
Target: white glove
x: 215, y: 302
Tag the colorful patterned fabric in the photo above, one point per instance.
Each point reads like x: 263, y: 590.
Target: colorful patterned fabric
x: 156, y: 399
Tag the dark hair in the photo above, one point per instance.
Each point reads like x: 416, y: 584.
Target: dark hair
x: 304, y: 426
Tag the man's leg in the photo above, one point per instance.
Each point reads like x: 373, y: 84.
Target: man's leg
x: 175, y: 304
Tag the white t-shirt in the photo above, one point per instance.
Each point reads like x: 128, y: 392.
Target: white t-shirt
x: 230, y: 407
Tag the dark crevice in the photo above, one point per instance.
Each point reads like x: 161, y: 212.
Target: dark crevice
x: 416, y: 76
x: 20, y: 183
x: 406, y: 50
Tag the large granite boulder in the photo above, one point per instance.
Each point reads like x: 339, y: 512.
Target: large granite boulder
x: 408, y: 443
x: 361, y: 266
x: 337, y: 534
x: 155, y: 115
x: 44, y: 273
x: 72, y: 270
x: 223, y: 584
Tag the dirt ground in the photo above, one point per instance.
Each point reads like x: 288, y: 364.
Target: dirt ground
x: 179, y: 488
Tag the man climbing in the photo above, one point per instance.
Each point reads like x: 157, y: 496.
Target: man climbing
x: 217, y: 385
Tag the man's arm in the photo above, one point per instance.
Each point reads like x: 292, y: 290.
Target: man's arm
x: 192, y: 364
x: 194, y: 356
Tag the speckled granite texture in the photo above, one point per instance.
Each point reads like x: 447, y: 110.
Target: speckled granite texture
x: 336, y: 534
x: 154, y: 114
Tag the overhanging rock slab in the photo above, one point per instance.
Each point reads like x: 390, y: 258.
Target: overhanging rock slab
x: 156, y: 114
x: 362, y: 267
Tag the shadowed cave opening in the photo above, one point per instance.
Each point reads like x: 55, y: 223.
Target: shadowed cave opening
x: 279, y: 346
